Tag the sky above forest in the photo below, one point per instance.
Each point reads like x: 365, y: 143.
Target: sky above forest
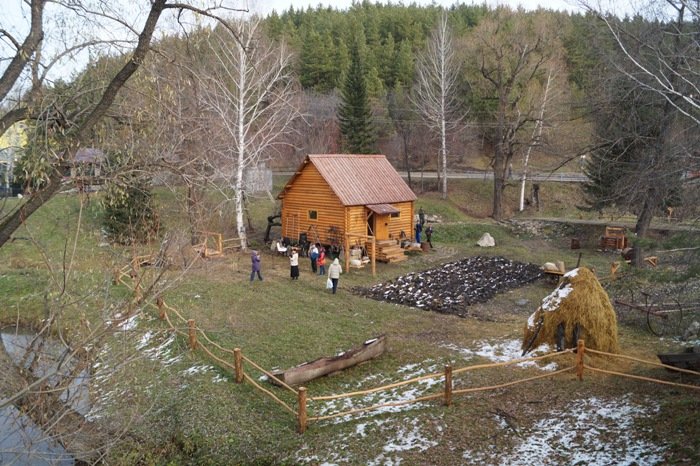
x: 266, y: 6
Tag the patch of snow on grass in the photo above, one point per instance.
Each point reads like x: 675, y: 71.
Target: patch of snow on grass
x: 465, y: 352
x: 145, y: 340
x: 407, y: 437
x: 504, y: 351
x: 192, y: 370
x: 589, y: 431
x: 130, y: 323
x: 402, y: 394
x: 162, y: 352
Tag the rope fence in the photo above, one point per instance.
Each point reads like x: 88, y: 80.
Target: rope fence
x: 446, y: 393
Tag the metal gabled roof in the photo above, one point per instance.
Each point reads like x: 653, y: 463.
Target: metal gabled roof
x: 359, y: 179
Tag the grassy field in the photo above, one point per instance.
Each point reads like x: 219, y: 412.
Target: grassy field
x: 177, y: 407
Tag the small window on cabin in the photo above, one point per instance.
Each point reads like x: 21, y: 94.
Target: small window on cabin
x: 313, y: 215
x: 396, y: 214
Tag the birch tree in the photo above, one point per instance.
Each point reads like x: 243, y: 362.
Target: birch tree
x: 534, y: 141
x: 435, y: 96
x: 509, y: 54
x: 254, y: 99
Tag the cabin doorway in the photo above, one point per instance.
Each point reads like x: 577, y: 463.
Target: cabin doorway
x: 381, y: 226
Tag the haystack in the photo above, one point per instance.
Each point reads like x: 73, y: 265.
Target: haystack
x: 579, y: 308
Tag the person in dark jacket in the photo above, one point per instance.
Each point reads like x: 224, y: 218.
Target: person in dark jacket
x: 429, y: 235
x: 313, y: 255
x: 255, y: 265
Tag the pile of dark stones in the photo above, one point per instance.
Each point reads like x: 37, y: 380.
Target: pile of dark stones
x: 453, y: 286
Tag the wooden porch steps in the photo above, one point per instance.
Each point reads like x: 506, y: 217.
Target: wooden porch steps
x: 390, y: 251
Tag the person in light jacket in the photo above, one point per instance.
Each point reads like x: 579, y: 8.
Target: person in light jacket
x: 334, y: 271
x: 294, y: 264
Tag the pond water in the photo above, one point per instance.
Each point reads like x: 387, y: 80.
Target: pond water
x: 21, y: 441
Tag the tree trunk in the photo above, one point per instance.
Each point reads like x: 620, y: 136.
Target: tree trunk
x: 406, y: 158
x: 498, y: 185
x: 443, y: 156
x: 36, y: 200
x: 192, y: 202
x: 644, y: 218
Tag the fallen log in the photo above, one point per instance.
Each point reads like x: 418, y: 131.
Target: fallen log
x: 323, y: 366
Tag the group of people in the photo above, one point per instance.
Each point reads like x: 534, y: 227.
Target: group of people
x: 317, y: 254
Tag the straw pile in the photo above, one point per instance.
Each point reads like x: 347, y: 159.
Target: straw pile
x: 580, y: 305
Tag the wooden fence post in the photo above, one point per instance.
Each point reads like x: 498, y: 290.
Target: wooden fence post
x: 137, y: 292
x: 614, y: 266
x: 238, y: 364
x: 580, y: 349
x: 193, y: 334
x: 302, y: 409
x: 161, y: 307
x: 448, y: 385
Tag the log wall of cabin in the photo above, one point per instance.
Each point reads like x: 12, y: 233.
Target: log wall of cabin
x: 404, y: 222
x: 309, y: 191
x: 356, y: 219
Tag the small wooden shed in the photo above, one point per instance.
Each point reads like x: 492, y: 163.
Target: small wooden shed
x: 349, y: 199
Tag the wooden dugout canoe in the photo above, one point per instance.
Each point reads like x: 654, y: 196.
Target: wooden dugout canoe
x: 686, y: 360
x: 323, y: 366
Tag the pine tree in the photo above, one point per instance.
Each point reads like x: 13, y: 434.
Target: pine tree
x: 354, y: 113
x: 318, y: 70
x: 129, y: 211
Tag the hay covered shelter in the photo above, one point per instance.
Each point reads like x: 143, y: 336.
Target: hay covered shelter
x: 339, y: 198
x: 579, y: 308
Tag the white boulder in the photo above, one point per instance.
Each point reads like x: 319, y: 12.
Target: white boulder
x: 486, y: 241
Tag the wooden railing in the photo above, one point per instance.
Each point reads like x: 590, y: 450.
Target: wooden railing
x: 234, y: 360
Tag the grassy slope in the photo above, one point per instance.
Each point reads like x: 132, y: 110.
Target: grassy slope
x: 194, y: 418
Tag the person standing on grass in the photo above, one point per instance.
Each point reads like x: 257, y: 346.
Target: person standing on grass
x: 255, y: 265
x: 334, y: 271
x: 313, y: 254
x: 419, y: 229
x: 321, y: 261
x: 421, y: 216
x: 429, y: 235
x: 294, y: 264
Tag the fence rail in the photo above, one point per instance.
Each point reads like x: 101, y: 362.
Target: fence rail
x: 301, y: 412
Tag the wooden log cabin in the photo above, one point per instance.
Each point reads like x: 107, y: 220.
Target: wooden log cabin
x: 349, y: 200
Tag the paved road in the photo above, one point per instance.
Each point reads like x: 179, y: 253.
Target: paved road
x: 656, y: 224
x: 486, y: 175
